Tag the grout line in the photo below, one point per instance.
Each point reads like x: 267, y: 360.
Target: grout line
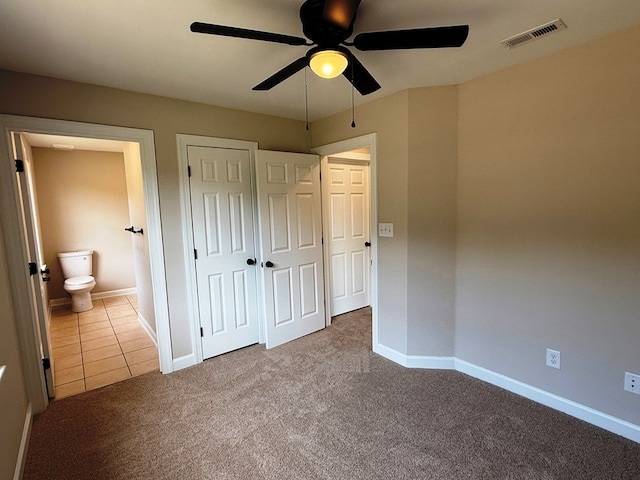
x: 104, y: 307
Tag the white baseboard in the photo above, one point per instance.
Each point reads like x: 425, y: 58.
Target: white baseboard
x: 54, y: 302
x: 600, y: 419
x: 435, y: 363
x: 390, y: 354
x: 416, y: 361
x: 577, y: 410
x: 114, y: 293
x: 147, y: 328
x: 94, y: 296
x: 24, y: 444
x: 184, y: 362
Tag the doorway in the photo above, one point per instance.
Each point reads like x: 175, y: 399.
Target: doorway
x: 346, y: 219
x: 85, y: 194
x: 358, y: 149
x: 31, y: 336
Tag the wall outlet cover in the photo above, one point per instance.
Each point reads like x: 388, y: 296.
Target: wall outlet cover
x: 632, y: 382
x: 553, y: 358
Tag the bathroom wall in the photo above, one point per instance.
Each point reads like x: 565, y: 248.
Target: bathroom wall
x: 82, y: 200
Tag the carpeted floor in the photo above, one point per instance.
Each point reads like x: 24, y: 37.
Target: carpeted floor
x: 321, y: 407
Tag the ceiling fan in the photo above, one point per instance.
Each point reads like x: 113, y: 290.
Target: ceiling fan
x: 328, y: 24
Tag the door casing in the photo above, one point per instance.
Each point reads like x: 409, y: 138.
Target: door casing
x: 15, y: 241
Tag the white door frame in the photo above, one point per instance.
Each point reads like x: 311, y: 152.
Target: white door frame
x: 325, y: 151
x: 183, y: 142
x: 15, y: 241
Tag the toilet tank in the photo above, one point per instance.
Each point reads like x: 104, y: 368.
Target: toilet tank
x: 76, y: 264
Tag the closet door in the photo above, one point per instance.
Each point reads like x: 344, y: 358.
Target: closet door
x: 291, y: 244
x: 223, y: 218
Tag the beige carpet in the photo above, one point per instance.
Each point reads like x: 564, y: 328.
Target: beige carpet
x: 321, y: 407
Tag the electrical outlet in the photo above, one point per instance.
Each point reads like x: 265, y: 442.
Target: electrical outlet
x: 632, y: 382
x: 385, y: 229
x: 553, y: 358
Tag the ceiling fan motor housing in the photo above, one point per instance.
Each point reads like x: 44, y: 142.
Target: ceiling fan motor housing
x: 320, y: 31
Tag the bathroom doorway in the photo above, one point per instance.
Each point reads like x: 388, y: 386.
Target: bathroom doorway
x: 32, y: 336
x: 88, y: 195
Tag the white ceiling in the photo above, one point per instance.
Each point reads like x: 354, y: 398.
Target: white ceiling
x: 146, y: 45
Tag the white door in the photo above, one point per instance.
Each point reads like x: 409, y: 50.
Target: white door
x: 222, y: 218
x: 39, y: 294
x: 346, y: 200
x: 291, y: 241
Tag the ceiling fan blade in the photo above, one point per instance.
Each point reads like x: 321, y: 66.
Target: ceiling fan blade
x: 211, y: 29
x: 283, y: 74
x: 359, y: 77
x: 340, y: 12
x: 436, y: 37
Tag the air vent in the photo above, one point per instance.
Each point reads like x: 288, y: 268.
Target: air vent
x: 534, y: 34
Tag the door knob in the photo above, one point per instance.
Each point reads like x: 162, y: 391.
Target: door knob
x: 251, y: 261
x: 268, y: 264
x: 367, y: 244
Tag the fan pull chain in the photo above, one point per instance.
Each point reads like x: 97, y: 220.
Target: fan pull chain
x: 306, y: 100
x: 353, y: 107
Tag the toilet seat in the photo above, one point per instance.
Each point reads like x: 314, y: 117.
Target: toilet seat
x: 78, y: 281
x: 75, y: 284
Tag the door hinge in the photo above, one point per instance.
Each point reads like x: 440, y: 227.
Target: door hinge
x: 320, y: 175
x: 195, y: 253
x: 46, y: 363
x: 189, y: 170
x: 201, y: 332
x: 33, y: 268
x: 19, y: 165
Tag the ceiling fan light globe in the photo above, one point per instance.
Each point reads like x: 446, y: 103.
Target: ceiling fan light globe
x: 328, y: 63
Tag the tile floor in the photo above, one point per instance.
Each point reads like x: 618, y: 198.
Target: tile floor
x: 102, y: 346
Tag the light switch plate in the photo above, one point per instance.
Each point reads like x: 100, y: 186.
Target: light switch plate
x: 385, y: 229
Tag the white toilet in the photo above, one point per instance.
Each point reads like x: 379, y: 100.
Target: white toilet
x: 77, y: 268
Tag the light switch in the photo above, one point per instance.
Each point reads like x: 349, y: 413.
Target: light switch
x: 385, y: 229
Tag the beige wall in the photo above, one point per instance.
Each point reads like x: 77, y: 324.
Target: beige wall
x: 13, y: 395
x: 36, y: 96
x: 388, y: 117
x: 82, y: 203
x: 433, y: 150
x: 549, y: 222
